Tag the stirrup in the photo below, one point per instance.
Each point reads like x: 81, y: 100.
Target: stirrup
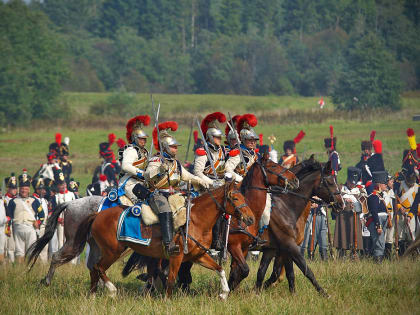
x: 257, y: 243
x: 171, y: 249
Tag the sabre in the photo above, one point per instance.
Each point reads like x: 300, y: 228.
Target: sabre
x: 226, y: 239
x: 151, y: 143
x: 237, y: 140
x: 189, y: 141
x: 187, y: 224
x: 206, y: 148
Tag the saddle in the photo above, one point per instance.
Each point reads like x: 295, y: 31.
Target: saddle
x: 178, y: 207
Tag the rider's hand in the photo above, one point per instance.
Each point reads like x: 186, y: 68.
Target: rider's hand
x: 203, y: 183
x: 217, y: 183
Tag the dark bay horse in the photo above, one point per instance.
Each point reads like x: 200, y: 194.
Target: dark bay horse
x: 103, y: 227
x: 315, y: 180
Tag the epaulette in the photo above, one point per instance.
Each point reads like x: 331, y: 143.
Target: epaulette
x: 233, y: 152
x: 112, y: 165
x: 155, y: 159
x: 257, y: 150
x: 200, y: 152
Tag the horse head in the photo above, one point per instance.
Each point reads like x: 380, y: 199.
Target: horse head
x: 276, y: 175
x: 328, y: 190
x: 236, y: 205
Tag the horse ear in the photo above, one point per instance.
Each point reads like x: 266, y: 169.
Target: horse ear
x: 327, y: 168
x: 312, y: 158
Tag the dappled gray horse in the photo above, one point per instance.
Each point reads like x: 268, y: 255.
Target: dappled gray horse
x: 75, y: 212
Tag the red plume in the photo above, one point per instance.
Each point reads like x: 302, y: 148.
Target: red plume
x: 111, y: 138
x: 372, y: 135
x: 250, y: 118
x: 377, y: 146
x: 211, y: 117
x: 410, y: 132
x: 162, y: 126
x: 121, y: 143
x: 235, y: 121
x: 261, y: 138
x: 299, y: 137
x: 102, y: 177
x: 58, y: 138
x: 144, y: 119
x: 195, y: 136
x: 332, y: 136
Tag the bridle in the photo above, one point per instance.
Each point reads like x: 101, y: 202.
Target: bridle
x: 264, y: 171
x: 227, y: 198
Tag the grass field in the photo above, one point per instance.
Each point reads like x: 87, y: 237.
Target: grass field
x: 281, y: 116
x: 355, y: 288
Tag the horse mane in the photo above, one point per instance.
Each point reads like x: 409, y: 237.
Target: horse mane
x: 215, y: 193
x: 308, y: 167
x: 246, y: 182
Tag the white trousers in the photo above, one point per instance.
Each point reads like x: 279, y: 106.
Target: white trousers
x: 24, y: 236
x: 404, y: 232
x: 10, y: 246
x: 2, y: 239
x: 265, y: 218
x: 128, y: 188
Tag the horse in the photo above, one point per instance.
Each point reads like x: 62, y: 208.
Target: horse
x: 76, y: 211
x: 315, y: 180
x: 262, y: 175
x: 103, y: 228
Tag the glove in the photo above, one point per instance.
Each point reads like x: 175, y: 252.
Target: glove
x: 217, y: 183
x: 203, y: 184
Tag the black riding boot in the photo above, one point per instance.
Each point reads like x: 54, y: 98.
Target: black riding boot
x: 258, y: 242
x: 388, y: 251
x: 217, y: 239
x: 167, y: 227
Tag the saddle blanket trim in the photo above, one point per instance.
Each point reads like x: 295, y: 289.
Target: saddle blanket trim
x: 123, y: 230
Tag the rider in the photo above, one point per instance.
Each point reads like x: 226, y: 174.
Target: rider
x: 290, y: 159
x: 202, y: 166
x: 231, y: 136
x: 164, y: 174
x: 133, y: 158
x: 234, y: 167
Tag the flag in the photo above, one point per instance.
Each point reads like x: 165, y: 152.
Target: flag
x: 321, y: 103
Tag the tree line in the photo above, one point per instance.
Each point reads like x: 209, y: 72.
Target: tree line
x: 362, y: 52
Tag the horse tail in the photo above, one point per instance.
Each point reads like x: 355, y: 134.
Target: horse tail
x: 135, y: 261
x: 36, y: 248
x: 82, y: 234
x: 413, y: 247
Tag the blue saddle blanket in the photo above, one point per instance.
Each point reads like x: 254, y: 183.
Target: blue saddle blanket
x: 129, y: 228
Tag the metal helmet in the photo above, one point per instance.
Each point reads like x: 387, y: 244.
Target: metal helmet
x: 245, y: 130
x: 165, y: 139
x: 210, y: 128
x: 135, y: 128
x: 231, y: 136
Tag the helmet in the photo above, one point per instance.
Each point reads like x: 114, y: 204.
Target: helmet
x: 210, y: 128
x: 39, y: 183
x: 24, y: 179
x: 11, y: 181
x: 230, y: 135
x: 135, y: 128
x: 245, y: 124
x: 165, y: 138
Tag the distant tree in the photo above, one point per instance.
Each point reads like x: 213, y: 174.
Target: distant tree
x: 31, y: 64
x: 369, y: 78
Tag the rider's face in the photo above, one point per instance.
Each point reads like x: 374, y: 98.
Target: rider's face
x: 233, y: 142
x: 288, y: 152
x: 173, y: 149
x: 141, y: 142
x: 250, y: 143
x: 217, y: 140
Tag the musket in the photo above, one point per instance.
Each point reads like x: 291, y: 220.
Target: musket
x: 355, y: 235
x: 207, y: 149
x: 312, y: 244
x: 187, y: 224
x: 151, y: 142
x: 237, y: 140
x: 329, y: 235
x: 397, y: 236
x: 189, y: 141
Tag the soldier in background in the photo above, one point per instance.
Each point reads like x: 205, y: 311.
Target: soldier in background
x: 290, y: 159
x: 39, y: 194
x: 66, y: 165
x: 348, y: 231
x: 3, y: 221
x: 46, y: 171
x: 74, y: 188
x: 11, y: 185
x: 331, y: 146
x: 366, y: 147
x: 26, y: 215
x: 58, y: 147
x: 391, y: 206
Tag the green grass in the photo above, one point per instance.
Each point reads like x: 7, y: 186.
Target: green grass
x: 355, y: 288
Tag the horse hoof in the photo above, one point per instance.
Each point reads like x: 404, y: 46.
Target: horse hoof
x: 44, y: 282
x: 325, y: 294
x: 223, y: 296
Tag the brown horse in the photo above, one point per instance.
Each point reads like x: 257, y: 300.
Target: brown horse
x: 204, y: 213
x: 315, y: 180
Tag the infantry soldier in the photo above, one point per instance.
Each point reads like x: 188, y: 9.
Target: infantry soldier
x: 133, y: 158
x: 11, y: 185
x: 107, y: 168
x: 63, y: 195
x: 164, y: 174
x: 376, y: 162
x: 74, y: 187
x: 290, y: 159
x: 348, y: 231
x: 27, y: 215
x: 66, y: 165
x: 378, y: 215
x: 58, y: 147
x: 391, y: 206
x: 316, y: 232
x: 3, y: 222
x: 39, y: 194
x: 331, y: 146
x: 366, y: 147
x: 47, y: 172
x: 202, y: 166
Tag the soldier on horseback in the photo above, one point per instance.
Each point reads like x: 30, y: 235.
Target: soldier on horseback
x: 133, y: 159
x: 231, y: 135
x: 290, y: 159
x: 202, y: 166
x: 163, y: 175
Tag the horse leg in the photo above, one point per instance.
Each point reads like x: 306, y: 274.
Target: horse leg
x: 208, y: 262
x: 290, y: 274
x: 107, y: 259
x: 239, y: 267
x: 174, y: 264
x: 184, y: 276
x: 299, y: 260
x: 268, y: 254
x: 277, y: 267
x: 93, y: 258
